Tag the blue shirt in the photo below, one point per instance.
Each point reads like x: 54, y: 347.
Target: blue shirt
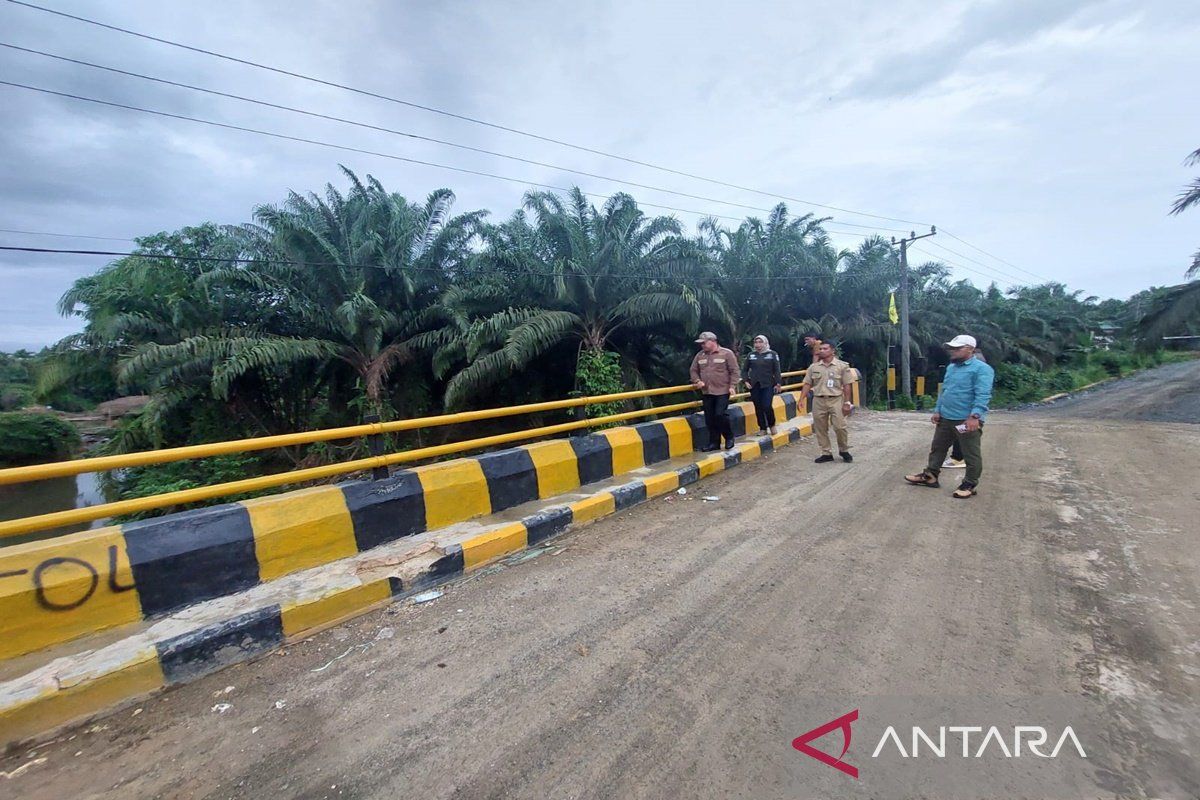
x: 966, y: 390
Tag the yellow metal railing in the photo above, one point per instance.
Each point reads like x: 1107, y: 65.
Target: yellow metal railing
x: 80, y: 515
x: 62, y: 469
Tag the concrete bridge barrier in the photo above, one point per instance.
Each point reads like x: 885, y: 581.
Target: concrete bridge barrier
x: 147, y: 575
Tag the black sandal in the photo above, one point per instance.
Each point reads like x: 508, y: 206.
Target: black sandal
x: 922, y: 479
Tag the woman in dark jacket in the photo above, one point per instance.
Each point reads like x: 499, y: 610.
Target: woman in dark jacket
x: 763, y: 376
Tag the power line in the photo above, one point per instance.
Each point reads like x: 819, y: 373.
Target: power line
x: 997, y: 258
x: 453, y: 115
x: 495, y: 126
x: 406, y: 134
x: 294, y: 263
x: 991, y: 272
x: 320, y: 143
x: 937, y: 257
x: 128, y: 239
x: 997, y: 270
x: 66, y: 235
x: 942, y: 259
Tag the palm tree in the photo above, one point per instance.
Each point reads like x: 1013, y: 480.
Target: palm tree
x: 767, y: 272
x: 157, y: 320
x: 351, y: 279
x: 1178, y: 305
x: 603, y: 279
x: 851, y: 306
x: 1172, y: 310
x: 1190, y: 195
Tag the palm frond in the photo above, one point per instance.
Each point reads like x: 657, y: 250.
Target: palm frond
x: 1171, y: 311
x: 1187, y: 198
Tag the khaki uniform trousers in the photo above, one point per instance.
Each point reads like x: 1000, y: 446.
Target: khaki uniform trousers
x: 828, y: 410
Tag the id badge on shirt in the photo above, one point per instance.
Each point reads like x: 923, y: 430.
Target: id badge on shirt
x: 829, y: 383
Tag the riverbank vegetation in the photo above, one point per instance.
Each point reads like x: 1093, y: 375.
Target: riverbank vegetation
x: 33, y: 437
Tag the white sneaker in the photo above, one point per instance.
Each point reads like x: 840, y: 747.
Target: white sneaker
x: 954, y: 463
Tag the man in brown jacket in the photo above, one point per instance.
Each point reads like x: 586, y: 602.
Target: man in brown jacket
x: 715, y: 372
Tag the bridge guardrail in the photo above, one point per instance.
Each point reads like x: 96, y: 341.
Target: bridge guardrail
x: 57, y: 519
x: 125, y: 580
x: 59, y: 589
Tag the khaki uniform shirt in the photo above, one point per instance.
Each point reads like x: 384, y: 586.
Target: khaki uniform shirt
x: 719, y: 371
x: 827, y: 380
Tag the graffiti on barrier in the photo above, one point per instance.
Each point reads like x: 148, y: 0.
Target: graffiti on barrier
x: 52, y: 568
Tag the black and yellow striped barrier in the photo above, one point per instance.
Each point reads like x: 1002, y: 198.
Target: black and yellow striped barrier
x: 378, y: 464
x: 57, y: 590
x: 188, y: 646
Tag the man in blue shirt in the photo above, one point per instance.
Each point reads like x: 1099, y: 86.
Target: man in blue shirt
x: 959, y: 414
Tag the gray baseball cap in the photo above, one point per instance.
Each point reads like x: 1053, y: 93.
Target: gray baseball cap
x: 707, y: 336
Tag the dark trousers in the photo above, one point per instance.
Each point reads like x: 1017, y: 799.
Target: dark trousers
x: 944, y: 437
x: 763, y: 398
x: 716, y: 418
x: 956, y: 450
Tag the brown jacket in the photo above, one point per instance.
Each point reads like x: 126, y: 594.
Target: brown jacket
x: 719, y: 371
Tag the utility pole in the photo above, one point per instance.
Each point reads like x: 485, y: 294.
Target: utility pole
x: 905, y: 369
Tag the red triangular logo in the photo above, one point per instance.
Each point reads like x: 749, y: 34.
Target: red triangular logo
x: 801, y: 743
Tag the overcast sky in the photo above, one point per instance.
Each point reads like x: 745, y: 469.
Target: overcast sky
x: 1050, y: 134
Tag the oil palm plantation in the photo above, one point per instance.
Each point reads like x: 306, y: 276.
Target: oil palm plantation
x: 770, y: 274
x: 349, y: 281
x: 156, y: 319
x: 1178, y: 308
x: 330, y: 306
x: 594, y: 281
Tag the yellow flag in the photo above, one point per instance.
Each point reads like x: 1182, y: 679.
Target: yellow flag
x: 892, y: 315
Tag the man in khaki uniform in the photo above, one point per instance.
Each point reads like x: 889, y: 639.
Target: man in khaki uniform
x: 831, y: 380
x: 715, y: 372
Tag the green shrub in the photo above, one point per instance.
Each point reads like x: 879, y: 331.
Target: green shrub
x: 1061, y: 380
x: 1017, y: 383
x: 599, y: 372
x: 1110, y: 362
x: 13, y: 397
x: 66, y: 401
x: 1174, y: 356
x: 162, y: 478
x: 27, y: 438
x: 903, y: 403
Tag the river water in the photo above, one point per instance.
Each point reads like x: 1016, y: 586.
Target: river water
x: 44, y: 497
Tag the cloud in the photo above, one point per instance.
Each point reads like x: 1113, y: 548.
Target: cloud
x: 1048, y: 132
x: 921, y: 63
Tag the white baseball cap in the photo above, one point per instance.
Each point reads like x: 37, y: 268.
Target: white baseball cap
x: 962, y: 340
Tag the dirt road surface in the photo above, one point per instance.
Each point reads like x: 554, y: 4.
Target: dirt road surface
x: 1166, y: 394
x: 675, y: 650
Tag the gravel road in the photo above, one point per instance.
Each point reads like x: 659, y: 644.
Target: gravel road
x: 1170, y: 393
